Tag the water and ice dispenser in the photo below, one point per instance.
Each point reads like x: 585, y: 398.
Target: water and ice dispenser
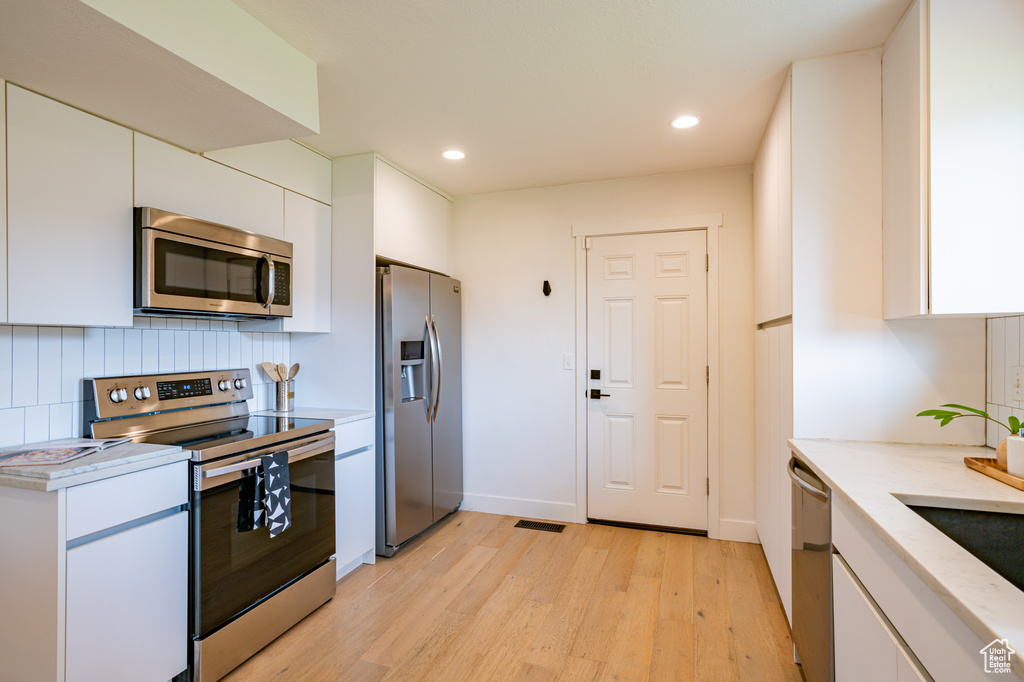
x: 414, y: 371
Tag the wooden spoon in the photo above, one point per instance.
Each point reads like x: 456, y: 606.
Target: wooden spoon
x: 293, y: 371
x: 282, y: 372
x: 270, y: 370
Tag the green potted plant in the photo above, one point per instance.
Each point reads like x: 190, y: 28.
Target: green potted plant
x: 944, y: 417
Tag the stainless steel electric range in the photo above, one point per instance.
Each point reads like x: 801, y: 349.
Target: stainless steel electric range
x: 245, y: 586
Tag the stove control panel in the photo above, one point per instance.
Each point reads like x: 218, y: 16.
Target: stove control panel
x: 141, y: 394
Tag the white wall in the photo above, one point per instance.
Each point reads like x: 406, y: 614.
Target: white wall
x: 1005, y: 352
x: 41, y: 368
x: 519, y: 404
x: 857, y: 376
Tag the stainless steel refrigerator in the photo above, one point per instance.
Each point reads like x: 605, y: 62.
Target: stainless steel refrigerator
x: 419, y: 402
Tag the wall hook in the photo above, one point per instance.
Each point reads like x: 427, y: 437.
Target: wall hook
x: 547, y: 288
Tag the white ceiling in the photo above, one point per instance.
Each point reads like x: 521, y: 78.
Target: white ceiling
x: 548, y: 92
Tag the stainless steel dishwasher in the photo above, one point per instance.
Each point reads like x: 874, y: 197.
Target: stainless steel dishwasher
x: 812, y: 573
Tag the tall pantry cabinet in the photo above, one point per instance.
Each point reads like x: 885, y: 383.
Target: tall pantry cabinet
x: 773, y: 339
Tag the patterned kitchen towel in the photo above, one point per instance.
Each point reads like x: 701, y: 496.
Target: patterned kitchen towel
x: 250, y: 500
x: 277, y: 493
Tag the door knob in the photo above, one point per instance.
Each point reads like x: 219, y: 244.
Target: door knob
x: 595, y: 394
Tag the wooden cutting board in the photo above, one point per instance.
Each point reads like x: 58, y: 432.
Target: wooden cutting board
x: 990, y: 467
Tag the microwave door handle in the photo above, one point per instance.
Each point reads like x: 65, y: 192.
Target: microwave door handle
x: 270, y: 277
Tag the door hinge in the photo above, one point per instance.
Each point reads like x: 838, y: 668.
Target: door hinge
x: 708, y: 481
x: 707, y: 262
x: 586, y: 243
x: 707, y: 374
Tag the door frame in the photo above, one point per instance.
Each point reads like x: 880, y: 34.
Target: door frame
x: 710, y: 223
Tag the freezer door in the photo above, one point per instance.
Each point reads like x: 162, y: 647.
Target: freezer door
x: 446, y: 317
x: 407, y: 477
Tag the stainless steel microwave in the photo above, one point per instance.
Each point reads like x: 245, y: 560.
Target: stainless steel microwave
x: 185, y: 266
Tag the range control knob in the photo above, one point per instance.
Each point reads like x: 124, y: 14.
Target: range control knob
x: 240, y: 383
x: 119, y: 395
x: 223, y: 385
x: 141, y: 393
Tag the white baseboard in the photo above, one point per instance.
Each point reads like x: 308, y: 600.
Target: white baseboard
x: 737, y: 531
x: 515, y: 506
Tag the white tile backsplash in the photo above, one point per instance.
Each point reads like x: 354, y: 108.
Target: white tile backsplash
x: 42, y: 368
x: 1005, y: 353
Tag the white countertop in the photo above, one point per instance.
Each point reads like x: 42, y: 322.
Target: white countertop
x: 869, y: 476
x: 338, y: 416
x: 114, y: 461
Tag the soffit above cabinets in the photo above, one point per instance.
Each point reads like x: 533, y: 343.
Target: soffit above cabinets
x: 202, y: 75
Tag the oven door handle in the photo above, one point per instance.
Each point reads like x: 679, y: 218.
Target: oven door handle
x: 294, y: 455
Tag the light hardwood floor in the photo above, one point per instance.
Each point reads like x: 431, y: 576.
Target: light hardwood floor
x: 476, y: 599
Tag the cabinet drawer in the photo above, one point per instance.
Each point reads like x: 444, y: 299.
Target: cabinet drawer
x: 354, y: 435
x: 97, y: 506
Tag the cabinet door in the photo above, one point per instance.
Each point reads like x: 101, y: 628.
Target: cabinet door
x: 784, y: 187
x: 863, y: 648
x: 976, y: 155
x: 410, y: 220
x: 3, y: 203
x: 174, y: 180
x: 762, y: 459
x: 307, y: 225
x: 355, y: 485
x: 785, y: 493
x: 69, y: 215
x: 127, y: 604
x: 285, y: 162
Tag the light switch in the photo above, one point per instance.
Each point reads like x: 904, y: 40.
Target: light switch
x: 567, y: 362
x: 1017, y: 390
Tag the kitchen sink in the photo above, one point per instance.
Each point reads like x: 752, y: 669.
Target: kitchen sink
x: 996, y: 538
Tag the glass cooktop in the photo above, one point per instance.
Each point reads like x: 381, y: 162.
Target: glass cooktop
x: 229, y: 436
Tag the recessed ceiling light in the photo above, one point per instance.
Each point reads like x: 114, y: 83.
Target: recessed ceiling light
x: 685, y: 122
x: 453, y: 154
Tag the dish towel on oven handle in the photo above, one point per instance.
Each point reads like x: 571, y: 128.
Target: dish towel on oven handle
x: 264, y: 496
x: 277, y: 492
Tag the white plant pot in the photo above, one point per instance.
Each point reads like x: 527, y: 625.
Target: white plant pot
x: 1015, y: 455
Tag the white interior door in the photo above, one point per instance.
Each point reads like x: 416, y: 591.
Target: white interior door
x: 647, y: 335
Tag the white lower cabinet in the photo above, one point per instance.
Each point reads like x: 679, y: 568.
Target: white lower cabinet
x: 892, y: 599
x: 126, y: 604
x: 773, y: 348
x: 355, y: 485
x: 98, y: 577
x: 867, y: 647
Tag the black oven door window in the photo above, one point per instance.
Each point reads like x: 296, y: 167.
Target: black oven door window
x: 182, y: 269
x: 236, y: 569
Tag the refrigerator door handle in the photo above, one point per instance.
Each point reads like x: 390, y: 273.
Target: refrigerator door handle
x: 440, y: 367
x: 431, y: 393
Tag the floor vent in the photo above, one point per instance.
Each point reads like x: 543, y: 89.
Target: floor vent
x: 540, y: 525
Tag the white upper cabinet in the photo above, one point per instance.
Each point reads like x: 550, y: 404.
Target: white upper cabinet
x: 773, y: 215
x: 69, y: 215
x: 3, y: 204
x: 286, y: 163
x: 307, y: 225
x: 953, y: 159
x: 410, y: 220
x: 175, y: 180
